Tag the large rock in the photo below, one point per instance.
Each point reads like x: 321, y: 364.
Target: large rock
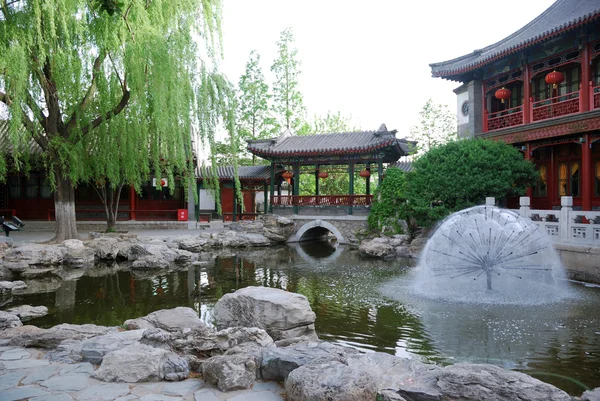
x: 282, y: 314
x: 193, y: 244
x: 94, y: 349
x: 34, y: 255
x: 175, y: 319
x: 135, y: 363
x: 31, y: 336
x: 8, y: 321
x: 472, y: 382
x: 377, y: 248
x: 152, y: 262
x: 105, y: 248
x: 330, y: 381
x: 591, y: 395
x: 28, y: 312
x: 230, y: 372
x: 11, y: 286
x: 234, y: 239
x: 277, y: 228
x: 277, y: 363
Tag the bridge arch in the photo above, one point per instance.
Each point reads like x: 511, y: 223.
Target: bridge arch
x: 319, y: 227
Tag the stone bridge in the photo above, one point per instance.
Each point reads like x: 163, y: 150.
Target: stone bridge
x: 318, y: 227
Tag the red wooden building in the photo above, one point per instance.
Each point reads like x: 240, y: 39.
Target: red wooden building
x: 539, y: 89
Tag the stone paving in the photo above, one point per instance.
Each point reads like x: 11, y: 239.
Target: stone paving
x: 26, y: 375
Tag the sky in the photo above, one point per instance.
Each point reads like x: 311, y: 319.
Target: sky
x: 369, y: 59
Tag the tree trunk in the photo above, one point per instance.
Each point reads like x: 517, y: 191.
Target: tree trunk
x: 64, y: 207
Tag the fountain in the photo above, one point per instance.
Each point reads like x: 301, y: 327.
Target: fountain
x: 490, y: 255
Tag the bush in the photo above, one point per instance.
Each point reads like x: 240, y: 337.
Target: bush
x: 461, y: 174
x: 389, y: 202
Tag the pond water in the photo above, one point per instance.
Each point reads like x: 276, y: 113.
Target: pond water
x: 366, y: 304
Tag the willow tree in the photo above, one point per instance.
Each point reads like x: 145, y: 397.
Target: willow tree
x: 107, y: 89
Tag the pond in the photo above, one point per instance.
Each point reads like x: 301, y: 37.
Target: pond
x: 366, y: 304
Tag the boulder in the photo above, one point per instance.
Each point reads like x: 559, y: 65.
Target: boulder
x: 192, y: 244
x: 277, y: 363
x: 251, y: 349
x: 10, y: 286
x: 230, y: 372
x: 158, y: 249
x: 150, y: 262
x: 399, y: 240
x: 330, y: 381
x: 28, y: 312
x: 234, y: 239
x: 591, y: 395
x: 94, y: 349
x: 8, y: 321
x: 134, y: 363
x: 31, y: 336
x: 172, y: 320
x: 184, y: 257
x: 376, y: 248
x: 474, y: 382
x: 105, y: 248
x: 173, y: 368
x: 282, y: 314
x: 78, y: 257
x: 277, y: 228
x: 26, y: 254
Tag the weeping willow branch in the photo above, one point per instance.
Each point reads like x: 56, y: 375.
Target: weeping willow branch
x: 90, y: 92
x: 109, y: 114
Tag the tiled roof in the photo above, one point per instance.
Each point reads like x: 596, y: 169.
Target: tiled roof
x: 7, y: 147
x: 561, y: 16
x: 244, y: 172
x: 328, y: 144
x: 404, y: 166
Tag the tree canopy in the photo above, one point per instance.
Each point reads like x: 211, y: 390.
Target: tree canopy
x: 109, y: 90
x: 437, y: 126
x: 463, y: 173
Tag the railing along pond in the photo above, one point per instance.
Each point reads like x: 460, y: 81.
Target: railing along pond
x: 322, y: 200
x: 565, y: 225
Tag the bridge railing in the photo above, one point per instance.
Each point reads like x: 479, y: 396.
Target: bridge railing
x: 322, y: 200
x: 565, y: 225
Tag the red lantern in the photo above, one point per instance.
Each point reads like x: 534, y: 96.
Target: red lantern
x: 323, y: 174
x: 365, y: 173
x: 287, y: 175
x: 502, y: 94
x: 554, y: 78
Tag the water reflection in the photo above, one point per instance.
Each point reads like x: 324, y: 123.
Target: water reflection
x: 344, y: 292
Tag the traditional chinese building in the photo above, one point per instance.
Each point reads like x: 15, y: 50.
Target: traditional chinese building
x: 539, y: 89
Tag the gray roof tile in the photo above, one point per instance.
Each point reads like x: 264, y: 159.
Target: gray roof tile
x: 561, y: 16
x: 244, y: 172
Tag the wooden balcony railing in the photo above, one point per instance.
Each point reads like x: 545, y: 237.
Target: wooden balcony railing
x: 594, y: 97
x: 555, y: 106
x: 504, y: 118
x: 327, y: 200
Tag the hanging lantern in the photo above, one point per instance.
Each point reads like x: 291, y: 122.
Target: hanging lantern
x: 365, y: 173
x: 502, y: 94
x: 554, y: 78
x: 287, y: 175
x: 323, y: 174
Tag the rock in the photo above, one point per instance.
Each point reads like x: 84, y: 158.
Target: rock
x: 33, y: 255
x: 150, y: 262
x: 173, y: 368
x: 8, y: 321
x: 193, y: 244
x: 159, y: 250
x: 132, y: 364
x: 591, y: 395
x: 251, y: 349
x: 474, y: 382
x: 94, y: 349
x: 389, y: 395
x: 282, y: 314
x: 183, y: 256
x: 105, y: 248
x: 331, y: 381
x: 233, y: 239
x: 403, y: 252
x: 409, y: 378
x: 31, y: 336
x: 28, y: 312
x: 399, y: 240
x: 277, y: 228
x: 204, y: 341
x: 277, y: 363
x: 230, y: 372
x: 376, y: 248
x: 172, y: 320
x: 10, y: 286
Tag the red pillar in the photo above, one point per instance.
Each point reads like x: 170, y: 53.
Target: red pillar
x: 526, y: 95
x: 529, y: 190
x: 586, y: 173
x: 584, y: 94
x: 132, y: 196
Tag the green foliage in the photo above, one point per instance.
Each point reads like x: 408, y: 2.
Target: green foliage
x: 437, y: 126
x: 332, y: 122
x: 254, y: 117
x: 110, y: 89
x: 287, y: 99
x: 389, y: 202
x: 461, y: 174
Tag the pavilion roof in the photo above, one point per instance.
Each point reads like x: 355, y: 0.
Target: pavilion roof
x: 6, y: 146
x: 331, y: 144
x: 244, y: 172
x: 404, y: 166
x: 563, y: 15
